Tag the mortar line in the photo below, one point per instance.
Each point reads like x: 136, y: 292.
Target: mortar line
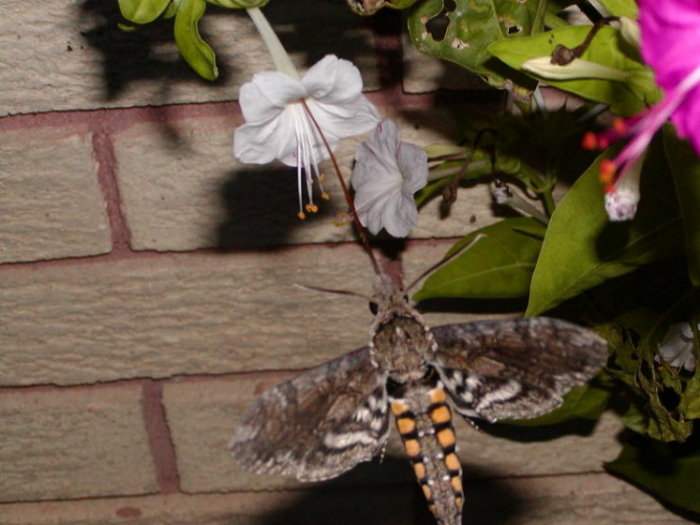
x: 160, y: 438
x: 107, y: 179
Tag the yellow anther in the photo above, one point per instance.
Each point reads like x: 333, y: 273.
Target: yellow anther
x: 325, y: 196
x: 321, y: 177
x: 311, y: 208
x: 301, y: 215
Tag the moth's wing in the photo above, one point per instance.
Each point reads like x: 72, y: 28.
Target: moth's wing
x: 318, y: 424
x: 515, y: 368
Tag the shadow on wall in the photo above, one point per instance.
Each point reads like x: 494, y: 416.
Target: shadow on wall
x: 388, y: 502
x: 143, y: 54
x: 261, y: 206
x: 149, y: 53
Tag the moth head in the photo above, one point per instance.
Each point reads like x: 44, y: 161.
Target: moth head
x: 389, y: 297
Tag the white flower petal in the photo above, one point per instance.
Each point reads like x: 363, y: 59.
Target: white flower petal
x: 347, y: 120
x: 333, y: 80
x: 413, y: 163
x: 400, y: 215
x: 260, y: 143
x: 621, y: 204
x: 267, y: 94
x: 676, y: 348
x: 247, y: 146
x: 383, y: 194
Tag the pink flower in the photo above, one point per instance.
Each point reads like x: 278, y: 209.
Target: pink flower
x: 671, y: 47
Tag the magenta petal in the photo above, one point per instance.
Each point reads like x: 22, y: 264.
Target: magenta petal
x: 687, y: 118
x: 670, y: 38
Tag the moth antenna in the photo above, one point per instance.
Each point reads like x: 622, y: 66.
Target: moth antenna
x: 362, y: 232
x: 444, y: 260
x: 337, y: 292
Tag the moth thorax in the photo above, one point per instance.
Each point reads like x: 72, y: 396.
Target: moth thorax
x: 401, y: 346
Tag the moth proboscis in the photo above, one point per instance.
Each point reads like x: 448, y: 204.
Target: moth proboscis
x: 326, y: 420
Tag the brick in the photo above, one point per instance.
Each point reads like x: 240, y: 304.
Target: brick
x: 50, y: 192
x: 66, y: 54
x: 390, y: 506
x: 77, y: 443
x: 195, y: 195
x: 163, y: 315
x: 202, y: 415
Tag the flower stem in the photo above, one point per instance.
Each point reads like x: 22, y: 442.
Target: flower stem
x: 548, y: 200
x: 279, y: 55
x: 362, y: 232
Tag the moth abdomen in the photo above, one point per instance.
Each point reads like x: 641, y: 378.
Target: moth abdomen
x: 424, y: 422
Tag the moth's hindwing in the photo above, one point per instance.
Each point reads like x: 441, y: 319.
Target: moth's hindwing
x: 514, y: 368
x: 318, y: 424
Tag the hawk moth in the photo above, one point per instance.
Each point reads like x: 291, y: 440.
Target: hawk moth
x: 326, y: 420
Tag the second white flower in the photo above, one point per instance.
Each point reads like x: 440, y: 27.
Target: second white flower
x: 387, y: 173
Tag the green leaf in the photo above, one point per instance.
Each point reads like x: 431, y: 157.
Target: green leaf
x: 498, y: 265
x: 584, y: 401
x: 626, y: 8
x: 472, y: 26
x: 193, y: 49
x: 658, y: 295
x: 440, y: 150
x: 142, y: 11
x: 582, y: 249
x: 690, y: 401
x: 668, y: 470
x: 685, y: 167
x: 607, y: 48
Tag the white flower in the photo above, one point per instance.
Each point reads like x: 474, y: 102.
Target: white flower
x: 677, y: 346
x: 622, y: 198
x: 386, y: 175
x: 279, y: 127
x: 621, y: 204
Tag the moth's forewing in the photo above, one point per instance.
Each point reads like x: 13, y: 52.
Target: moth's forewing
x: 515, y: 368
x: 318, y: 424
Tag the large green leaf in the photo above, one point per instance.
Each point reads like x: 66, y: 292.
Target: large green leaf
x: 498, y: 265
x: 685, y: 167
x: 607, y: 48
x: 193, y: 49
x: 142, y: 11
x: 582, y: 249
x: 670, y: 471
x: 472, y: 26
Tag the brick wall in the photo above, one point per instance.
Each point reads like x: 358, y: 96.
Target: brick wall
x: 147, y: 294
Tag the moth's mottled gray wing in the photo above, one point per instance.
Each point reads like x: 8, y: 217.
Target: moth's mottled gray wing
x: 318, y: 424
x: 515, y: 368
